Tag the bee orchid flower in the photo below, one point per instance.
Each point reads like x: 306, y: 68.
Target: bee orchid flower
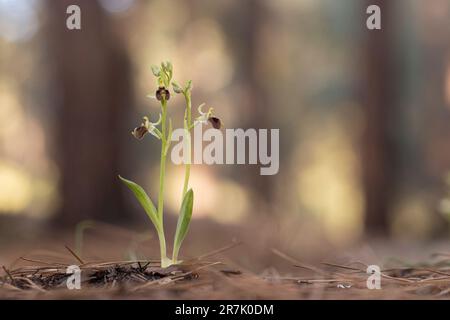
x: 147, y: 127
x: 206, y: 117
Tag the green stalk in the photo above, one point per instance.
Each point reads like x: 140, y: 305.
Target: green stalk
x: 187, y: 125
x: 162, y: 167
x: 162, y: 246
x: 187, y: 173
x: 175, y: 255
x: 162, y: 174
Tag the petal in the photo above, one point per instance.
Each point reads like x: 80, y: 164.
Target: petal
x: 157, y: 122
x: 153, y: 133
x: 200, y: 108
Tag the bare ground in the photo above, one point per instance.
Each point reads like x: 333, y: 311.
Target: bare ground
x: 115, y: 265
x: 207, y: 278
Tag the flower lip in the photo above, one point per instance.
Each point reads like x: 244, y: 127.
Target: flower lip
x: 215, y: 122
x: 162, y: 93
x: 140, y: 132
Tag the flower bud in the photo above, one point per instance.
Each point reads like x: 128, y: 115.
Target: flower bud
x: 156, y: 71
x: 176, y: 88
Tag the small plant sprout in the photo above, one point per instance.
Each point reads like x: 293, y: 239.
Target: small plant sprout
x: 162, y: 130
x: 444, y: 205
x: 80, y: 229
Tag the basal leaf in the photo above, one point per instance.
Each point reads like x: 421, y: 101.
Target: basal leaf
x: 183, y: 220
x: 144, y: 200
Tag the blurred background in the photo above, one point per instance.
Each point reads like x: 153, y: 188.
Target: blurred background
x: 364, y: 119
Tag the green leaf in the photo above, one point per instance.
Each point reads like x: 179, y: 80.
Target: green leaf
x: 183, y: 221
x: 144, y: 200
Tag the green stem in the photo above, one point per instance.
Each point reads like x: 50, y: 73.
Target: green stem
x: 162, y: 174
x: 162, y: 245
x: 175, y: 255
x: 187, y: 125
x: 162, y: 167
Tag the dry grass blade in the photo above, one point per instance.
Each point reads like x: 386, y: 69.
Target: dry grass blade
x: 8, y: 274
x: 119, y: 262
x: 43, y: 262
x: 214, y: 252
x: 74, y: 254
x: 297, y: 263
x: 342, y: 267
x: 401, y: 279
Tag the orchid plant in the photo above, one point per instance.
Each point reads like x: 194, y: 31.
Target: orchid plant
x: 162, y: 130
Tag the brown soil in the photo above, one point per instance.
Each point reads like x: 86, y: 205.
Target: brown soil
x: 202, y: 278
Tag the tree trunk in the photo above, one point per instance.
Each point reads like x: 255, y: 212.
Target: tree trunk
x: 244, y: 30
x: 92, y: 91
x: 378, y: 150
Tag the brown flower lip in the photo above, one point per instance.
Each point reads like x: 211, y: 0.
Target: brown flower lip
x: 162, y: 92
x: 215, y: 122
x: 140, y: 132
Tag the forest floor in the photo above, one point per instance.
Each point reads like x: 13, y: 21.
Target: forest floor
x: 219, y: 269
x: 207, y: 278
